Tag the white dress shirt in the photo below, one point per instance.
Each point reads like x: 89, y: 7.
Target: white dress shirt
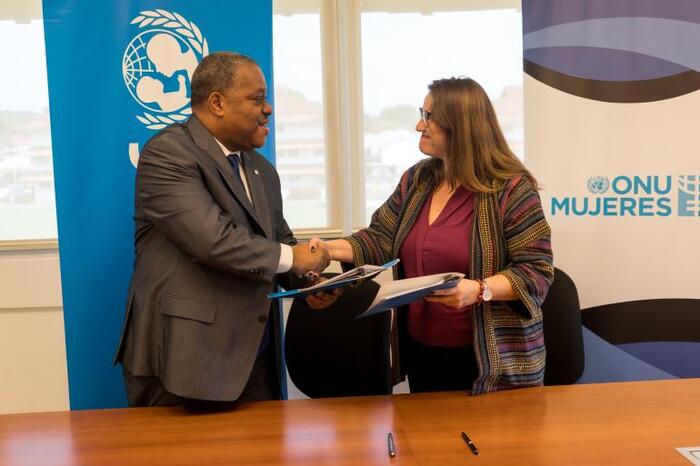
x: 286, y: 253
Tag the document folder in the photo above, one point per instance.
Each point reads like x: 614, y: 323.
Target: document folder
x: 351, y: 277
x: 401, y: 292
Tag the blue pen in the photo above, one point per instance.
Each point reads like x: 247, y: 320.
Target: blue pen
x: 390, y: 445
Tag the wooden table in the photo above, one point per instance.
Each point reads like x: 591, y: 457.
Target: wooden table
x: 634, y: 423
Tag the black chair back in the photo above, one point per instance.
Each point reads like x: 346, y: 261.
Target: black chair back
x: 329, y: 353
x: 561, y: 314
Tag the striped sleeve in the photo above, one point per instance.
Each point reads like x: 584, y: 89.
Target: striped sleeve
x: 530, y: 268
x: 374, y: 244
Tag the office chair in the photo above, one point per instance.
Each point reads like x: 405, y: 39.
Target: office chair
x: 561, y: 314
x: 329, y: 353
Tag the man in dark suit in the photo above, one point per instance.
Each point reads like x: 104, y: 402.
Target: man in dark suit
x: 211, y: 243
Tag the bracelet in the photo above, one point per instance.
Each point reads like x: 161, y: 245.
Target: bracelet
x: 485, y: 293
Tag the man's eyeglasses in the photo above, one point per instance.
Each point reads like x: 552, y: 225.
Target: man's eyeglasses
x: 424, y: 115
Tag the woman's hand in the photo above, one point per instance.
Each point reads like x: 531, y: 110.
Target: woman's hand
x: 338, y: 249
x: 316, y: 243
x: 465, y: 293
x: 321, y: 300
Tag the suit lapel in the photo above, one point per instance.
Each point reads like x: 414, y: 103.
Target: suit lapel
x: 257, y: 192
x: 205, y: 141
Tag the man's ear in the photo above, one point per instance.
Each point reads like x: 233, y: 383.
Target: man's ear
x: 215, y: 102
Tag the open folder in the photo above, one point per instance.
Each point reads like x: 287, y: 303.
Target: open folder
x: 401, y: 292
x: 351, y: 277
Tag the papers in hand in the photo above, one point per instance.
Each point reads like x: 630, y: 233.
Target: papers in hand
x: 351, y: 277
x: 401, y: 292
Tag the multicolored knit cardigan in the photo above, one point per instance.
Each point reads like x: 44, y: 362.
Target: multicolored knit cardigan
x: 511, y: 237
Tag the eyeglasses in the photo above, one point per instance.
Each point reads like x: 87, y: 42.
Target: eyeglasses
x: 425, y: 115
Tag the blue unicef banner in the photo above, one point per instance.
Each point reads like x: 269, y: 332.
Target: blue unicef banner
x: 611, y: 98
x: 119, y: 72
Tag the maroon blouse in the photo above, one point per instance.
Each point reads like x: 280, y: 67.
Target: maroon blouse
x: 439, y: 248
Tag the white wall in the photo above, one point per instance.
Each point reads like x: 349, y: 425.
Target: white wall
x: 33, y: 373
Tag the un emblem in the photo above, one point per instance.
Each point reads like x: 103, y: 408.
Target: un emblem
x: 598, y: 184
x: 158, y: 64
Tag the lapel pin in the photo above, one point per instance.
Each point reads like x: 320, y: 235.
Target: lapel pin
x: 256, y: 171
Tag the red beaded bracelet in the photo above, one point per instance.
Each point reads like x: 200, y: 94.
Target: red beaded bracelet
x: 484, y: 289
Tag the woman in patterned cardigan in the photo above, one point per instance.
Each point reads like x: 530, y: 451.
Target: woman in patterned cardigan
x: 471, y: 207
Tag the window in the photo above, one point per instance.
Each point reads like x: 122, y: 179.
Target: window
x: 485, y: 45
x: 27, y: 200
x: 300, y: 136
x: 349, y: 77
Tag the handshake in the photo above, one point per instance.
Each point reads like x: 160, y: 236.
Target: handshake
x: 310, y: 259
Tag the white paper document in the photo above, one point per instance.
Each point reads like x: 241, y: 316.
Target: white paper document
x: 399, y: 292
x: 692, y: 454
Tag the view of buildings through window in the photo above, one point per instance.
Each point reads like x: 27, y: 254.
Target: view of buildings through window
x: 300, y: 158
x: 299, y: 132
x: 27, y: 200
x: 398, y: 63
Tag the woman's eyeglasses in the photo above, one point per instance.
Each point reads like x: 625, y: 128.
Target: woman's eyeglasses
x: 424, y: 115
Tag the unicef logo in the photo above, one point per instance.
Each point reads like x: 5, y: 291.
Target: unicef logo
x: 598, y: 184
x: 158, y: 64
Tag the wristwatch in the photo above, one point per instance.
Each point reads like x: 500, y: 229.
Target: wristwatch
x: 485, y: 293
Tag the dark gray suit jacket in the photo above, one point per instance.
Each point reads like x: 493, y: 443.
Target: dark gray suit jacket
x: 205, y: 261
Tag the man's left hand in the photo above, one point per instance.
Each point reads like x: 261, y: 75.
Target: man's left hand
x: 321, y: 300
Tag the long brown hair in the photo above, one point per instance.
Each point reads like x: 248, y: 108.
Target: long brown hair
x: 478, y: 156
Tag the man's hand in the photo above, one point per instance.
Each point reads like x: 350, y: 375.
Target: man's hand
x: 306, y: 263
x: 321, y: 300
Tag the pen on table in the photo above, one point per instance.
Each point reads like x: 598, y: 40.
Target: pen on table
x: 390, y: 445
x: 469, y: 443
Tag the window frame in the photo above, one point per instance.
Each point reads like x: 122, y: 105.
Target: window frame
x: 29, y: 245
x: 24, y: 12
x: 343, y: 119
x: 341, y: 68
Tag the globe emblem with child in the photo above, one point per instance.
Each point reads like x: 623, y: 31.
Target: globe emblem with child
x: 158, y: 63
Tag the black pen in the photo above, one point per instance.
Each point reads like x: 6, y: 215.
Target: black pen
x: 469, y: 443
x: 390, y: 445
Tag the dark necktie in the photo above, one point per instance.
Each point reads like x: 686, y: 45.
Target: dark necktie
x: 235, y: 162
